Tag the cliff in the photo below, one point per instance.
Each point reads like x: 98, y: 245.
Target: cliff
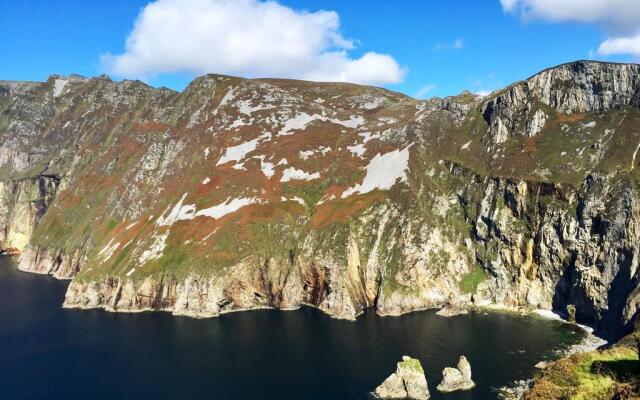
x: 238, y: 194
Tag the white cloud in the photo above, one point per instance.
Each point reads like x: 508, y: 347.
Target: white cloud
x: 484, y: 92
x: 621, y: 45
x: 620, y: 15
x: 620, y: 19
x: 425, y: 90
x: 249, y: 38
x: 455, y: 45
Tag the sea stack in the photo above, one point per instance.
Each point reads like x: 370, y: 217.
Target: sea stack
x: 454, y: 379
x: 408, y: 382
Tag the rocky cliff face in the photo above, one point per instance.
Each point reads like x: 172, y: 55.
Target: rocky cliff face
x: 23, y: 203
x: 240, y: 194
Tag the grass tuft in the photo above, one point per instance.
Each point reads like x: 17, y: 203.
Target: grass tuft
x: 469, y: 282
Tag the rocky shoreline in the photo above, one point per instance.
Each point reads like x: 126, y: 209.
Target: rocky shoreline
x: 589, y: 343
x: 202, y: 297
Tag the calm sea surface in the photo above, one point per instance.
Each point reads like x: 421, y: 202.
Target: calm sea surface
x: 47, y: 352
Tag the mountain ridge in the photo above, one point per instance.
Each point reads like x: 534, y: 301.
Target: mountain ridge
x: 239, y: 194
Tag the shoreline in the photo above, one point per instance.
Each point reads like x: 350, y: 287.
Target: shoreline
x: 591, y: 342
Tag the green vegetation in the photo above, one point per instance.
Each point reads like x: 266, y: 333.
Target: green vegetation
x: 411, y: 364
x: 590, y: 376
x: 112, y: 224
x: 469, y: 283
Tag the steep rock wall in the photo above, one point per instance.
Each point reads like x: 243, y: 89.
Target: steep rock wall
x: 22, y: 205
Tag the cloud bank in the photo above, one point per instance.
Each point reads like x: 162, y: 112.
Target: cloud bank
x: 250, y: 38
x: 620, y: 19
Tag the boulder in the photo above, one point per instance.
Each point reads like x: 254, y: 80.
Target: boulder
x: 408, y: 382
x: 452, y: 309
x: 454, y: 379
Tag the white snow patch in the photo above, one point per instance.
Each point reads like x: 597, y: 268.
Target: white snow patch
x: 239, y: 122
x: 300, y: 122
x: 188, y: 212
x: 209, y: 235
x: 237, y: 153
x: 387, y: 120
x: 131, y: 271
x: 267, y: 168
x: 179, y: 212
x: 353, y: 121
x: 58, y: 86
x: 306, y: 154
x: 228, y: 207
x: 371, y: 105
x: 206, y: 180
x: 358, y: 149
x: 291, y: 174
x: 383, y: 171
x: 246, y: 108
x: 108, y: 250
x: 325, y: 199
x: 591, y: 124
x: 225, y: 99
x: 466, y: 145
x: 368, y: 136
x: 131, y: 225
x: 206, y: 152
x: 299, y: 200
x: 156, y: 248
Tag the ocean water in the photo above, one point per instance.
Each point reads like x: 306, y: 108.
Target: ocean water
x: 47, y: 352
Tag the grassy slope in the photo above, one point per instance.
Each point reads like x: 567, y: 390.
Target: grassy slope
x: 612, y: 373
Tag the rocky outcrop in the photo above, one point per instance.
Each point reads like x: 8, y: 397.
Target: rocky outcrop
x: 22, y: 205
x: 578, y: 87
x: 56, y: 262
x: 408, y: 382
x: 452, y: 309
x: 455, y: 379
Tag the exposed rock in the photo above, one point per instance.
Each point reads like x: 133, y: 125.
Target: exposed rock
x: 408, y: 382
x: 452, y: 309
x: 541, y: 365
x: 22, y: 205
x: 55, y: 262
x: 455, y: 379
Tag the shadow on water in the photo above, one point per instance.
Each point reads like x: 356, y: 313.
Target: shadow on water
x: 47, y: 352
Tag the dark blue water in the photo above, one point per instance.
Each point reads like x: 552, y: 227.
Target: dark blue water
x: 47, y: 352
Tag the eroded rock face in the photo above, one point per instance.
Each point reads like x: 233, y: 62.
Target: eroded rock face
x: 571, y: 88
x: 22, y: 204
x: 455, y: 379
x: 408, y: 382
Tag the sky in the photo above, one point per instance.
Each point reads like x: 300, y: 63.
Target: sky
x: 423, y: 48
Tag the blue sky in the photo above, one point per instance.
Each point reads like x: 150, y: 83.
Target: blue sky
x: 431, y: 48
